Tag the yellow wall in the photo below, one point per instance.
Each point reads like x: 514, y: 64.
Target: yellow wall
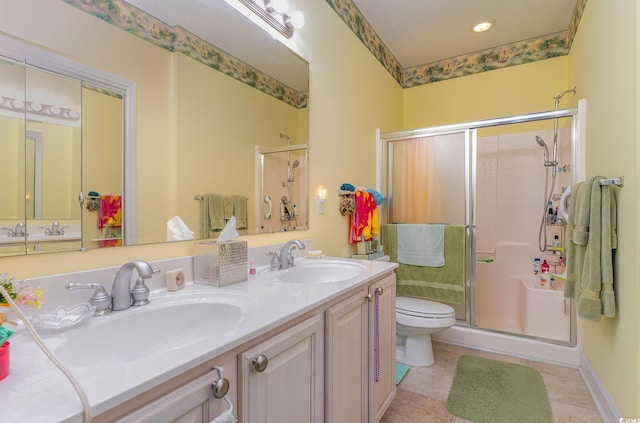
x: 503, y: 92
x: 351, y: 95
x: 224, y: 151
x: 603, y: 64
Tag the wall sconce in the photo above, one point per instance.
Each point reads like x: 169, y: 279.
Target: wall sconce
x: 322, y: 198
x: 276, y: 14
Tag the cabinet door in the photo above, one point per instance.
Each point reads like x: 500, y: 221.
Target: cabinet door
x: 186, y: 404
x: 347, y: 356
x: 384, y: 389
x: 290, y: 388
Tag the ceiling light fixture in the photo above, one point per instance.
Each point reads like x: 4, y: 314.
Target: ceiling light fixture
x: 275, y: 13
x: 483, y: 26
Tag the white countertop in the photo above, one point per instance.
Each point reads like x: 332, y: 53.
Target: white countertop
x: 36, y: 390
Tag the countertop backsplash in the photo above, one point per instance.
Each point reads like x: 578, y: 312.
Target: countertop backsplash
x: 54, y: 295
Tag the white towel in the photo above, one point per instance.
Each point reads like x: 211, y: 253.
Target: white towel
x: 226, y: 417
x: 421, y: 245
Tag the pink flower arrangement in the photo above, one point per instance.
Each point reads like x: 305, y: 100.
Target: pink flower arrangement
x: 23, y: 295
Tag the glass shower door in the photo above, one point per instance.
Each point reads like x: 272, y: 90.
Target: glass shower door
x: 430, y: 182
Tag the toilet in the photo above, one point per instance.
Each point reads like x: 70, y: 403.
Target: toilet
x: 416, y: 320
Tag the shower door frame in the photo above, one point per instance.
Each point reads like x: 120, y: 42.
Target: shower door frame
x: 469, y: 129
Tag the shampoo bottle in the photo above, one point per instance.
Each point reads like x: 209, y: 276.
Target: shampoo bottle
x: 545, y: 275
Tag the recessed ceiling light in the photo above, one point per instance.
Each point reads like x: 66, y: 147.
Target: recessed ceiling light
x: 483, y: 26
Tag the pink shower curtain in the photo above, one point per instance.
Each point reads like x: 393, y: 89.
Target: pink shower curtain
x: 412, y: 165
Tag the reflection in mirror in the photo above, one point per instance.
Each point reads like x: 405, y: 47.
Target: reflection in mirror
x: 12, y: 128
x: 52, y: 161
x: 284, y: 188
x: 203, y: 102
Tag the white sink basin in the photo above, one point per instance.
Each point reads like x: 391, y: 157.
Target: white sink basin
x: 157, y: 328
x: 321, y: 271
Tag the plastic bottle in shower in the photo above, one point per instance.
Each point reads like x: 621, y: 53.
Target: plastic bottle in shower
x: 536, y: 266
x: 545, y: 275
x: 550, y: 212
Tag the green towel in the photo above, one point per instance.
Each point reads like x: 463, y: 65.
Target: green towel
x: 444, y: 283
x: 216, y: 212
x: 591, y: 234
x: 240, y: 211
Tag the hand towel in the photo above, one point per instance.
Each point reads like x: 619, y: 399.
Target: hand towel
x: 225, y: 417
x: 228, y: 206
x: 364, y: 220
x: 446, y: 283
x: 240, y: 211
x: 216, y: 212
x: 421, y: 245
x: 110, y: 211
x: 591, y: 234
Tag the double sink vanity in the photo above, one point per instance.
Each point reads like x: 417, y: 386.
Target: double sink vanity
x: 310, y: 343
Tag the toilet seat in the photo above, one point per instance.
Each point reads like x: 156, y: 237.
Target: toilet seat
x: 426, y: 309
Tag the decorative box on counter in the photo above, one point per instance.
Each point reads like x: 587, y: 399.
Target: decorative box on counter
x: 220, y: 264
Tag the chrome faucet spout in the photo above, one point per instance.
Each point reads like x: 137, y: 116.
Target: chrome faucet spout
x: 19, y: 230
x: 121, y: 290
x: 286, y: 259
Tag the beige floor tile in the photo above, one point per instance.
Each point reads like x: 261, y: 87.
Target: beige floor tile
x: 568, y: 391
x: 433, y: 381
x: 565, y: 372
x: 423, y: 393
x: 409, y: 407
x: 567, y: 413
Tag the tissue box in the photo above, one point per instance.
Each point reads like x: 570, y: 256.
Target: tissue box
x: 220, y: 264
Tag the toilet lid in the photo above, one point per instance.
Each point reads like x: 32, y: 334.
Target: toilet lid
x: 423, y: 308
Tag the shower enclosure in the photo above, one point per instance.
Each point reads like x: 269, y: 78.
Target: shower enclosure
x: 493, y: 177
x: 282, y: 185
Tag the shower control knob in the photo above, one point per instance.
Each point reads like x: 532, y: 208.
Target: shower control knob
x: 260, y: 363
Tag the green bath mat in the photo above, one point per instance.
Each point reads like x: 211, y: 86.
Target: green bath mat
x: 489, y: 391
x: 401, y: 372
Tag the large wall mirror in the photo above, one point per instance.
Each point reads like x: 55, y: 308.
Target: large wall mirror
x: 183, y: 101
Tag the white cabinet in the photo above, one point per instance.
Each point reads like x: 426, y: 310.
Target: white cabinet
x: 361, y: 345
x: 192, y: 402
x: 347, y: 359
x: 282, y: 377
x: 384, y: 389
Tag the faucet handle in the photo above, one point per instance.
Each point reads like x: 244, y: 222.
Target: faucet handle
x: 140, y: 292
x: 275, y: 263
x: 100, y: 298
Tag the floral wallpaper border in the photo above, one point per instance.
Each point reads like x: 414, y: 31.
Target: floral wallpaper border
x: 540, y: 48
x: 176, y: 39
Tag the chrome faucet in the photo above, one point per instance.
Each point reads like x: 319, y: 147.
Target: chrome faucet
x: 286, y: 258
x: 55, y: 230
x: 121, y: 292
x: 19, y: 230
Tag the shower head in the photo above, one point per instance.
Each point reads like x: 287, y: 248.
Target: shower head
x: 541, y: 143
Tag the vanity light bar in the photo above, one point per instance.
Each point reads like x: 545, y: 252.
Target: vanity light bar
x: 38, y: 109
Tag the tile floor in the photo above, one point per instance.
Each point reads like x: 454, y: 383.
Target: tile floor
x: 422, y: 395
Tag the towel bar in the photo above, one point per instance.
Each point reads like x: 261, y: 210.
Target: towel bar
x: 613, y: 181
x: 198, y: 197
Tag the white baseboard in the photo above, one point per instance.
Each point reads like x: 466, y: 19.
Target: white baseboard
x: 507, y: 344
x: 607, y: 409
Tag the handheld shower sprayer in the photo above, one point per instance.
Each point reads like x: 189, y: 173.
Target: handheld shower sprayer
x: 547, y: 162
x: 543, y: 144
